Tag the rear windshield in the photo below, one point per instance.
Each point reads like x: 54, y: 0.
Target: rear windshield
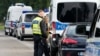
x: 30, y: 17
x: 76, y: 30
x: 76, y: 12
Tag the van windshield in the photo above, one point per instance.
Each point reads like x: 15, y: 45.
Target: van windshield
x: 30, y: 17
x: 76, y: 12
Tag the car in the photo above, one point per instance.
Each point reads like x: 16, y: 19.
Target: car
x: 24, y: 28
x: 13, y: 14
x: 72, y: 39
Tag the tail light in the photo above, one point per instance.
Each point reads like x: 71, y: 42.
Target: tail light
x: 11, y: 24
x: 53, y: 29
x: 69, y: 41
x: 23, y: 27
x: 53, y: 25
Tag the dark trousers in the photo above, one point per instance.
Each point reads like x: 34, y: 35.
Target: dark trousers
x: 40, y: 46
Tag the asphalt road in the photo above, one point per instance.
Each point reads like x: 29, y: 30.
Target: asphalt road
x: 10, y: 46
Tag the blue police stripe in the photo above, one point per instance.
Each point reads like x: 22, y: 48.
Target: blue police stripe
x: 27, y: 25
x: 60, y: 26
x: 14, y: 23
x: 27, y: 12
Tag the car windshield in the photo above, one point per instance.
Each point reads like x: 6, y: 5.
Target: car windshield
x: 30, y: 17
x: 76, y: 12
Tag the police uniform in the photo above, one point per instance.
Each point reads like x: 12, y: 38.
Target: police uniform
x: 40, y: 35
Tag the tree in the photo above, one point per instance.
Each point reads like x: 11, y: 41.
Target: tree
x: 36, y: 4
x: 41, y: 4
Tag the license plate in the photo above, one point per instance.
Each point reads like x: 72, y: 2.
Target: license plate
x: 7, y: 30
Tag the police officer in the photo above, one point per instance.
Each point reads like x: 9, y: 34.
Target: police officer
x: 40, y: 34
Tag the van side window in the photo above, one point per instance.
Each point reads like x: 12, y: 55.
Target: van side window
x: 76, y: 12
x: 30, y: 17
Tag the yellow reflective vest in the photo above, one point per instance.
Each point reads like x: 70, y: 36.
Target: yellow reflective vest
x: 36, y: 25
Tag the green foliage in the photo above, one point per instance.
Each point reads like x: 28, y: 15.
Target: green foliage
x: 36, y: 4
x: 1, y: 26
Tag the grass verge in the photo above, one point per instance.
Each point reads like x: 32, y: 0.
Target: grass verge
x: 1, y: 26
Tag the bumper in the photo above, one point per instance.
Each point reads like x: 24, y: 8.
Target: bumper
x: 27, y: 35
x: 73, y: 49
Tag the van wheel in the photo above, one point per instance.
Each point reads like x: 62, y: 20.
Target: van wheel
x: 14, y: 33
x: 21, y: 38
x: 17, y: 35
x: 10, y: 34
x: 6, y: 33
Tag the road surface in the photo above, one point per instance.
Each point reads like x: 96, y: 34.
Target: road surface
x: 10, y: 46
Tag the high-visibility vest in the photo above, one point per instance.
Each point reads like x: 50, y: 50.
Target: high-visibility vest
x: 36, y: 25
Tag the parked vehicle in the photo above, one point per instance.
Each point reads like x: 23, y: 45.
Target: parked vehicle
x: 13, y: 14
x: 65, y: 12
x: 93, y: 41
x: 24, y: 26
x: 73, y: 40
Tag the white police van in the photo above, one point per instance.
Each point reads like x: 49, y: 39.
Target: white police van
x: 24, y: 26
x: 13, y: 14
x: 65, y: 12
